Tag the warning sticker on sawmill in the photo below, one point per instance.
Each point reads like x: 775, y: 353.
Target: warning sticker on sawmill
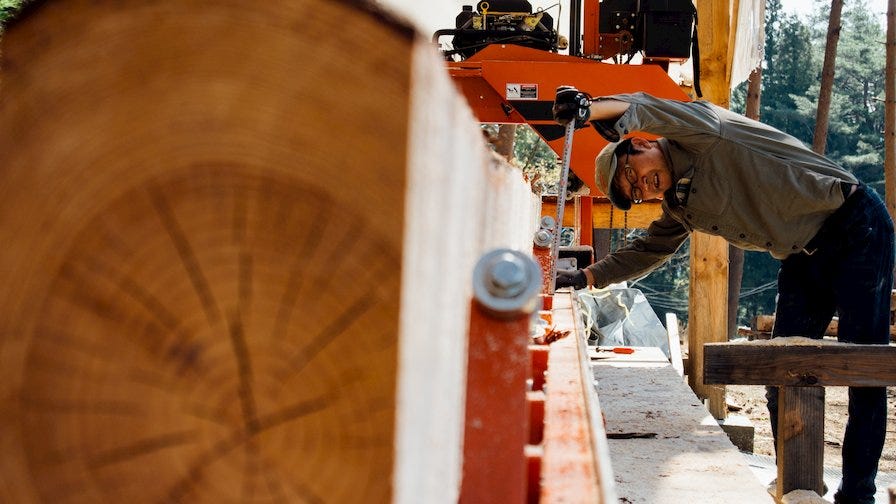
x: 522, y: 91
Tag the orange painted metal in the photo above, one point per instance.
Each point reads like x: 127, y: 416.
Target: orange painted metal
x: 545, y: 259
x: 547, y: 302
x: 535, y: 400
x: 484, y: 79
x: 591, y: 33
x: 570, y: 469
x: 586, y: 218
x: 495, y: 467
x: 533, y: 458
x: 538, y: 362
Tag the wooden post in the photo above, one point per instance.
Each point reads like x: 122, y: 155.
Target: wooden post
x: 708, y: 319
x: 708, y: 296
x: 890, y: 112
x: 735, y: 254
x: 800, y: 440
x: 827, y: 78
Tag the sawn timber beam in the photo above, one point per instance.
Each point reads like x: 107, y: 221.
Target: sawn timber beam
x: 801, y: 368
x: 795, y: 362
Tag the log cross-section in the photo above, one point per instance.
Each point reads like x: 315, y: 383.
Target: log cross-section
x: 198, y: 304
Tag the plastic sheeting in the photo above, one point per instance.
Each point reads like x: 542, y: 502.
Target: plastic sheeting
x: 748, y: 39
x: 622, y: 317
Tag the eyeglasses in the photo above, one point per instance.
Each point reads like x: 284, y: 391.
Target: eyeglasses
x: 632, y: 178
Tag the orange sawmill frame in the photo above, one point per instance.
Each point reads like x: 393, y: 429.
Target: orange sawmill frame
x: 505, y: 83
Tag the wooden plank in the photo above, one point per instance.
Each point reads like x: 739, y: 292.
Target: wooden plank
x: 665, y: 447
x: 605, y: 216
x: 800, y: 440
x: 674, y: 343
x: 775, y: 362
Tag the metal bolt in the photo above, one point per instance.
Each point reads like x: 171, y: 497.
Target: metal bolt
x: 543, y: 238
x: 507, y: 276
x: 507, y: 282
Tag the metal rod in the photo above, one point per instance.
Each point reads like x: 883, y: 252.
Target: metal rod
x: 575, y: 28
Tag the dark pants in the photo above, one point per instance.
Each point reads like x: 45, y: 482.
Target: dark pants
x: 850, y: 272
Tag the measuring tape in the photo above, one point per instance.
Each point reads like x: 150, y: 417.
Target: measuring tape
x: 561, y: 202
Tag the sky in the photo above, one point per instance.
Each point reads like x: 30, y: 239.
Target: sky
x: 431, y: 15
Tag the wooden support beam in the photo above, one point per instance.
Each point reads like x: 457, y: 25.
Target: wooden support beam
x: 800, y: 443
x: 605, y: 216
x: 708, y: 319
x: 708, y: 297
x: 800, y: 367
x: 775, y: 362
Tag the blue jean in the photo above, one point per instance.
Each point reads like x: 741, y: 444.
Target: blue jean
x: 850, y: 271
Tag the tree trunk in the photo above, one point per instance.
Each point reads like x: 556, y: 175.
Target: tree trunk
x: 504, y: 141
x: 827, y: 79
x: 736, y: 255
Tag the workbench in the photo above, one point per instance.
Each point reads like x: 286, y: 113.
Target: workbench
x: 664, y: 445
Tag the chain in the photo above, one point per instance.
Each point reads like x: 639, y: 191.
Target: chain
x: 625, y: 229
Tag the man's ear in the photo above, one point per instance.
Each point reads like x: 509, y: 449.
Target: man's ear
x: 641, y: 143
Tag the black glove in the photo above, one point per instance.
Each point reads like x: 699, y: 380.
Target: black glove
x: 571, y: 278
x: 570, y: 104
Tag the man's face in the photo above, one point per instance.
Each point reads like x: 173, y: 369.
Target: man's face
x: 644, y: 175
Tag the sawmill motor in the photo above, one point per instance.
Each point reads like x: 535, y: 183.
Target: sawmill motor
x: 661, y: 30
x: 501, y: 22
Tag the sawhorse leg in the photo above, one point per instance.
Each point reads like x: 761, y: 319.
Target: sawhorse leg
x: 800, y: 439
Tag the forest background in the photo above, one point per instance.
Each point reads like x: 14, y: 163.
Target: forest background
x: 791, y: 75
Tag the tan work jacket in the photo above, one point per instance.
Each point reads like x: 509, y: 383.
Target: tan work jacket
x: 751, y: 184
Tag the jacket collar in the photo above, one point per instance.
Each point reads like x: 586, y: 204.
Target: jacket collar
x: 682, y: 172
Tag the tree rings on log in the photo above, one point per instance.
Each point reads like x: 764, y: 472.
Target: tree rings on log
x: 201, y: 216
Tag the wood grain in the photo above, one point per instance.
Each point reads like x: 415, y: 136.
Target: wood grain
x: 199, y: 303
x: 800, y: 440
x: 830, y: 364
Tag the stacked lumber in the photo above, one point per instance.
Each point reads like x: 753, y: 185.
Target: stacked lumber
x: 237, y: 246
x: 762, y: 326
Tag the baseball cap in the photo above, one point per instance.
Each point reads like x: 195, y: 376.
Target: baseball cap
x: 605, y: 170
